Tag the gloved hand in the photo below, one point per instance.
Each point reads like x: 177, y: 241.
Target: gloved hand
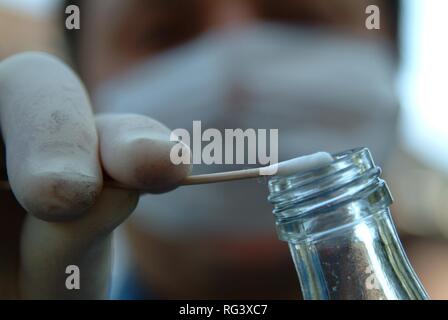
x: 56, y: 153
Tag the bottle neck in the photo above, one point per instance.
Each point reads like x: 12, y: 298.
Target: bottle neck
x: 307, y: 204
x: 362, y: 261
x: 340, y: 233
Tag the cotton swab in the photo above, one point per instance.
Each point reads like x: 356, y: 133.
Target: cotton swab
x: 285, y: 168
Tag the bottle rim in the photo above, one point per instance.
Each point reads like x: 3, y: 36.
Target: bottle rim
x: 352, y: 175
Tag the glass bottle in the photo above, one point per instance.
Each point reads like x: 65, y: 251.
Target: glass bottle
x: 343, y: 242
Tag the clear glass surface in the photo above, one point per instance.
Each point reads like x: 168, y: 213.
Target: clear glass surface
x: 340, y: 232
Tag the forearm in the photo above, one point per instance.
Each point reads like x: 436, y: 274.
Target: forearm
x: 48, y: 251
x: 49, y: 248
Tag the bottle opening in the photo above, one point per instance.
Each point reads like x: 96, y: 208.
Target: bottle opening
x: 351, y: 176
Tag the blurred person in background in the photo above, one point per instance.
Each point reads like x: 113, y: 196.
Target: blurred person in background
x: 308, y: 68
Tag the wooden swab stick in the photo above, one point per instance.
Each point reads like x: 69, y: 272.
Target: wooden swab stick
x: 285, y: 168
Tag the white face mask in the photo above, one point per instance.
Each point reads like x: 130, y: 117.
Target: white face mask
x: 322, y: 90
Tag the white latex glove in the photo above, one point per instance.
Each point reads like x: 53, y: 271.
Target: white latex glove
x: 56, y: 152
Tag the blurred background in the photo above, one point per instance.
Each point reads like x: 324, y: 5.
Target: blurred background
x: 417, y: 169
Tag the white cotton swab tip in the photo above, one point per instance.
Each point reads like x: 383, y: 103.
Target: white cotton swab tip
x: 296, y: 165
